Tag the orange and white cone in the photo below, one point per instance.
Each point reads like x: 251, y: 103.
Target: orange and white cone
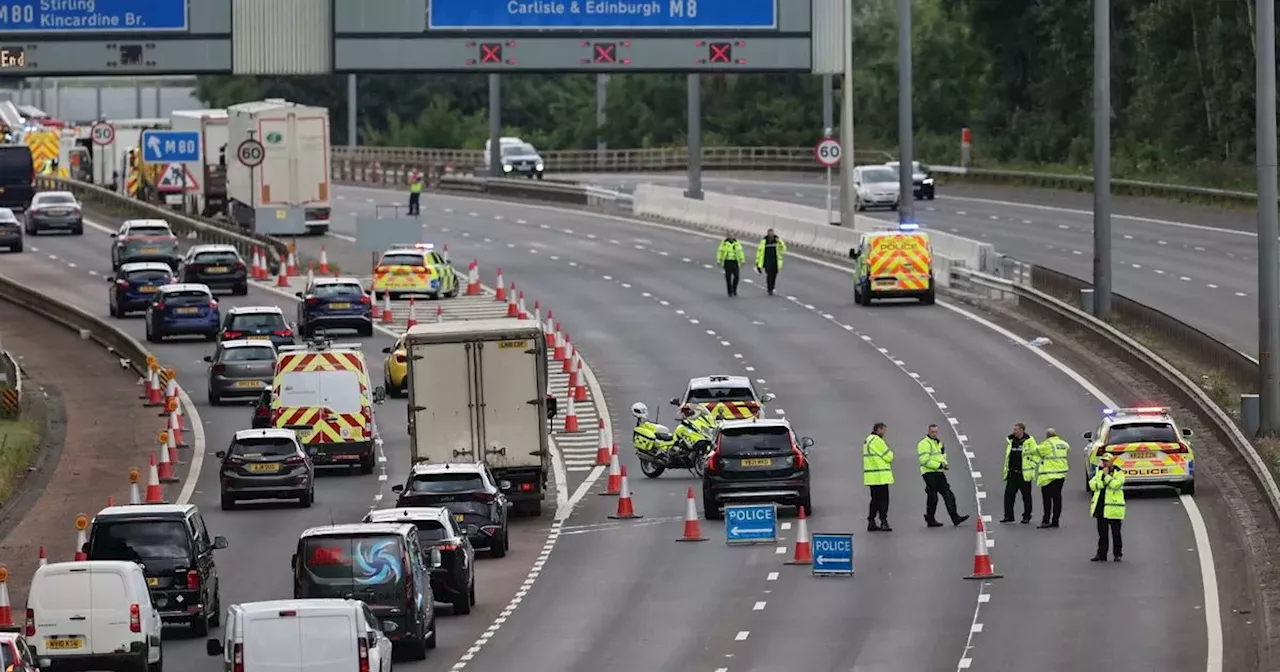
x: 573, y: 377
x: 170, y: 448
x: 521, y: 312
x: 253, y: 265
x: 512, y: 309
x: 175, y: 432
x: 804, y: 550
x: 602, y: 452
x: 155, y: 396
x: 439, y: 314
x: 473, y: 279
x: 324, y: 260
x: 44, y: 558
x: 692, y: 526
x: 291, y: 264
x: 386, y: 308
x: 557, y: 352
x: 164, y: 466
x: 569, y: 353
x: 537, y: 313
x: 82, y: 538
x: 500, y: 289
x: 445, y: 252
x: 6, y: 609
x: 626, y: 509
x: 549, y: 330
x: 182, y: 422
x: 413, y: 315
x: 571, y: 418
x: 580, y: 386
x: 170, y: 395
x: 311, y: 273
x: 982, y: 567
x: 155, y: 493
x: 282, y: 278
x: 135, y: 495
x: 111, y: 501
x: 614, y: 485
x: 375, y: 308
x: 263, y: 273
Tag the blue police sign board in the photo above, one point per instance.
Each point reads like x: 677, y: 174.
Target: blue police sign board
x: 93, y: 16
x: 170, y: 146
x: 603, y: 14
x: 751, y: 523
x: 832, y: 554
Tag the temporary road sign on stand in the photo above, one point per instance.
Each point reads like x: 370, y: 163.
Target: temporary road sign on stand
x: 172, y: 179
x: 832, y: 554
x: 250, y: 153
x: 170, y: 146
x: 751, y: 524
x: 828, y: 152
x: 103, y: 133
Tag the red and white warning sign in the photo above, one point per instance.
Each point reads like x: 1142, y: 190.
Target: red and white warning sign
x: 171, y: 179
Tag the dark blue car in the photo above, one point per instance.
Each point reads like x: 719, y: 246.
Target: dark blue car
x: 183, y: 310
x: 135, y: 285
x: 335, y: 303
x: 257, y: 323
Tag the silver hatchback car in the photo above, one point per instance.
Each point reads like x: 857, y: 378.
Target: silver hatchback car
x: 240, y: 370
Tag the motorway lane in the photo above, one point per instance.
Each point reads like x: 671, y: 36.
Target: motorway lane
x: 957, y: 353
x: 1195, y: 263
x: 265, y: 535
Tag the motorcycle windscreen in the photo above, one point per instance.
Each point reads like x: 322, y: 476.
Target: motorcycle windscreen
x: 510, y: 376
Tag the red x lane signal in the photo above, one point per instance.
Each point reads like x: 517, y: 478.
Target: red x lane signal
x: 720, y: 52
x: 605, y: 52
x: 491, y: 52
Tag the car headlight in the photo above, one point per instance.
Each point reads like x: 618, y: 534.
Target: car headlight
x: 506, y: 168
x: 538, y: 166
x: 927, y: 180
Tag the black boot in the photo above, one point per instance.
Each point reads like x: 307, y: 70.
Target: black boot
x: 960, y: 521
x: 884, y: 525
x: 871, y: 526
x: 929, y: 522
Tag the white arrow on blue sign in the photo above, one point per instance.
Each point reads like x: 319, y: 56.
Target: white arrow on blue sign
x: 832, y: 553
x: 751, y: 523
x: 170, y: 146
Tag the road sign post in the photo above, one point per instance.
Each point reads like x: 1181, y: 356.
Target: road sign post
x: 828, y: 153
x: 170, y: 146
x: 103, y: 133
x: 751, y: 524
x: 832, y: 554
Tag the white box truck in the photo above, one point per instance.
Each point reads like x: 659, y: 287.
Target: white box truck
x: 211, y: 171
x: 291, y: 184
x: 478, y: 392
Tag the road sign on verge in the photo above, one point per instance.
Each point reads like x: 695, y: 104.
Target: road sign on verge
x: 751, y: 524
x: 828, y: 152
x: 170, y: 146
x: 832, y: 554
x: 175, y: 178
x: 103, y: 133
x: 250, y: 153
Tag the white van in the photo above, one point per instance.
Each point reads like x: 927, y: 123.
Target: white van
x: 313, y: 635
x: 94, y: 615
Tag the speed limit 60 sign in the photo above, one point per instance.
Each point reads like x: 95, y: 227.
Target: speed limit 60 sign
x: 250, y: 153
x: 103, y: 133
x: 827, y: 151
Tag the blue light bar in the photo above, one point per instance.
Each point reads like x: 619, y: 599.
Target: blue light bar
x: 908, y: 226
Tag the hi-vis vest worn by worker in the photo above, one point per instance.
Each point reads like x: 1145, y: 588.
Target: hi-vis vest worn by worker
x: 415, y: 183
x: 780, y: 250
x: 877, y: 461
x: 730, y: 251
x: 931, y: 456
x: 1055, y: 460
x: 1112, y: 488
x: 1030, y: 458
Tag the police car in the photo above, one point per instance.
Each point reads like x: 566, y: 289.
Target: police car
x: 1147, y: 444
x: 727, y: 397
x: 415, y: 269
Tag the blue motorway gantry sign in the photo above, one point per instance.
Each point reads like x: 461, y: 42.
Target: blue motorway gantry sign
x: 751, y: 523
x: 832, y: 553
x: 603, y: 14
x: 93, y: 16
x: 170, y: 146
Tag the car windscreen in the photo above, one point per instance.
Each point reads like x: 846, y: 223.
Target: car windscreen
x: 367, y: 567
x: 149, y: 275
x: 402, y: 260
x: 256, y: 321
x: 136, y: 540
x: 445, y: 484
x: 148, y: 232
x: 1141, y: 432
x: 53, y: 199
x: 431, y: 530
x: 225, y: 257
x: 712, y: 394
x: 876, y: 175
x: 739, y: 440
x: 262, y: 447
x: 339, y: 391
x: 336, y: 289
x: 247, y: 353
x: 188, y: 297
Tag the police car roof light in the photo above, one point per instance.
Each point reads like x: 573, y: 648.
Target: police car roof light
x: 908, y: 226
x: 1138, y: 410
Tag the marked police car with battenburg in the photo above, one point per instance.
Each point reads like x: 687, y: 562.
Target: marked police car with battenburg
x: 728, y: 397
x: 1147, y: 444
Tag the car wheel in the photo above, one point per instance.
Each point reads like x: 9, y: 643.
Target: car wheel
x: 418, y: 649
x: 1188, y: 488
x: 471, y: 592
x: 228, y: 502
x: 78, y: 231
x: 16, y: 248
x: 462, y: 606
x: 215, y: 619
x: 431, y: 639
x: 212, y: 337
x: 534, y: 508
x: 864, y: 298
x: 929, y: 297
x: 499, y: 548
x: 307, y: 498
x: 214, y: 400
x: 111, y: 308
x: 366, y: 465
x: 157, y: 666
x: 366, y: 331
x: 200, y: 625
x: 710, y: 509
x: 240, y: 290
x: 150, y: 335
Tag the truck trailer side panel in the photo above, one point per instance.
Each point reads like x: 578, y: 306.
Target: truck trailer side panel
x: 442, y: 417
x: 512, y: 401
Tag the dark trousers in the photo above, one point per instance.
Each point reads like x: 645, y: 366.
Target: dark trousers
x: 770, y: 277
x: 1013, y: 486
x: 879, y: 503
x: 414, y: 208
x: 731, y: 277
x: 1052, y: 499
x: 1105, y: 524
x: 935, y: 484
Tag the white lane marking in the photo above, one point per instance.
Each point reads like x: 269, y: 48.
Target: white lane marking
x: 758, y: 606
x: 742, y: 636
x: 773, y: 576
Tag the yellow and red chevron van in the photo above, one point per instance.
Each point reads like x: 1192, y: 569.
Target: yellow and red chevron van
x: 893, y: 264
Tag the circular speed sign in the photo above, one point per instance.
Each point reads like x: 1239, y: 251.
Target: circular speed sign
x: 103, y: 133
x: 827, y: 151
x: 251, y: 153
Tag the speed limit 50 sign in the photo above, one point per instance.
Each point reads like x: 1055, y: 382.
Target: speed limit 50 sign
x: 103, y: 133
x: 827, y: 152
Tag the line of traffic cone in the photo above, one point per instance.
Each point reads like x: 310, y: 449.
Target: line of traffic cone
x: 170, y: 448
x: 255, y: 264
x: 386, y: 308
x: 692, y: 526
x: 473, y: 278
x: 513, y: 310
x: 626, y: 508
x: 571, y: 418
x: 164, y: 466
x: 573, y: 380
x: 324, y: 260
x: 803, y: 554
x: 155, y: 492
x: 500, y: 289
x: 580, y: 383
x: 982, y: 567
x: 602, y: 452
x: 614, y: 485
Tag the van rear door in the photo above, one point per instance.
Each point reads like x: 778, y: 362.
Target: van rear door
x: 62, y: 609
x: 329, y: 642
x: 272, y: 642
x: 109, y: 602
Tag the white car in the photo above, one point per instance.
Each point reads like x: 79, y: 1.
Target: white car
x: 725, y: 396
x: 313, y: 635
x: 94, y: 615
x: 875, y: 187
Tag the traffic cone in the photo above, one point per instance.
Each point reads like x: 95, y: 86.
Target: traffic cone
x: 445, y: 252
x: 135, y: 495
x: 473, y: 278
x: 291, y: 264
x: 155, y: 397
x: 262, y: 272
x: 602, y: 452
x: 182, y: 422
x: 804, y: 551
x: 82, y: 538
x: 580, y: 387
x: 571, y: 418
x: 558, y: 344
x: 573, y: 379
x: 111, y: 500
x: 439, y: 314
x: 155, y: 493
x: 164, y: 466
x: 520, y: 310
x: 311, y: 272
x: 614, y: 486
x: 626, y: 509
x: 569, y: 352
x: 413, y: 315
x: 324, y: 260
x: 386, y: 308
x: 692, y: 527
x: 375, y: 308
x: 537, y: 313
x: 500, y: 289
x: 175, y: 432
x: 44, y: 558
x: 282, y: 278
x: 6, y: 610
x: 982, y: 567
x: 171, y: 448
x: 512, y: 309
x: 170, y: 396
x: 549, y: 330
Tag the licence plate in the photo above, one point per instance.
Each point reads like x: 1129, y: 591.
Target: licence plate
x: 757, y: 462
x: 62, y: 644
x: 217, y: 269
x: 1142, y: 455
x: 248, y: 384
x: 459, y: 517
x: 886, y: 283
x: 304, y: 434
x: 153, y: 581
x: 58, y: 212
x: 149, y: 250
x: 188, y: 311
x: 148, y: 290
x: 339, y: 305
x: 266, y: 468
x: 258, y: 338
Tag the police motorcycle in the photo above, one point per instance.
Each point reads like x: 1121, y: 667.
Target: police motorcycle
x: 660, y: 449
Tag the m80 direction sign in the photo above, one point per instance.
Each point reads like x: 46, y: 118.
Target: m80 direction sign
x: 92, y: 16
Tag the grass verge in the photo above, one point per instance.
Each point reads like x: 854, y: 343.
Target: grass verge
x: 18, y: 441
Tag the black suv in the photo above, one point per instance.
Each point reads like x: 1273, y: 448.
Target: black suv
x: 470, y: 492
x: 454, y: 580
x: 753, y: 461
x: 176, y: 553
x: 17, y: 177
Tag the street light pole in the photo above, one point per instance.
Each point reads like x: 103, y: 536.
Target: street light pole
x: 1102, y: 159
x: 846, y: 121
x: 906, y: 148
x: 1268, y: 229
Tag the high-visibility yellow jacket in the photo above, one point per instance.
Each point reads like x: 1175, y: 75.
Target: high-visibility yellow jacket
x: 1030, y: 458
x: 1111, y: 487
x: 931, y: 455
x: 781, y: 251
x: 1055, y: 460
x: 877, y: 461
x: 730, y: 250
